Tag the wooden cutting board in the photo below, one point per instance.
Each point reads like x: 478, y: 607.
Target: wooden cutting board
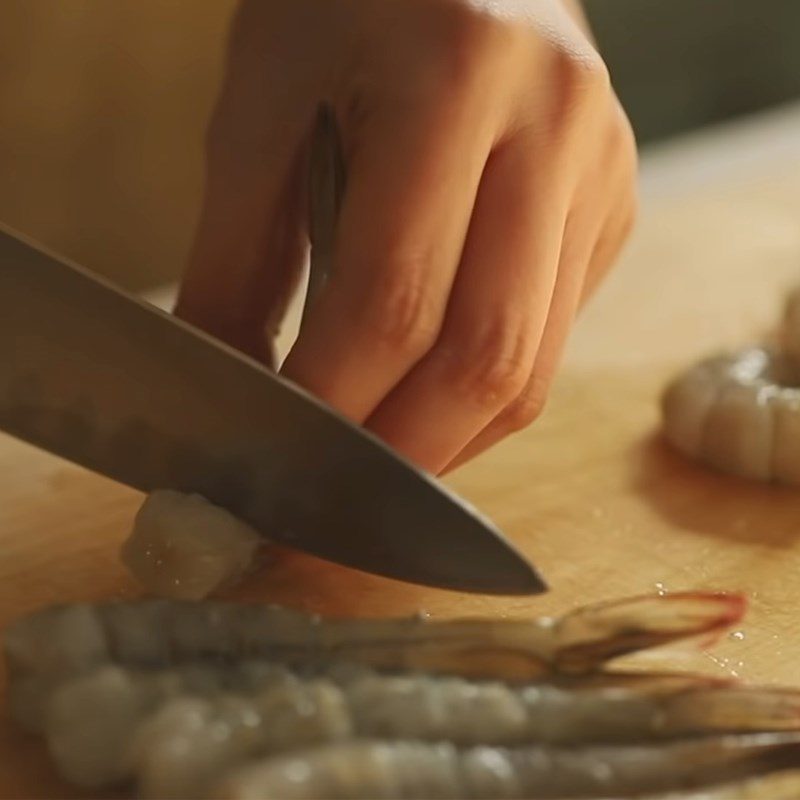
x: 590, y: 492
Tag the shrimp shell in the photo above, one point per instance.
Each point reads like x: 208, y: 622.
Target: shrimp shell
x: 56, y: 643
x: 376, y: 769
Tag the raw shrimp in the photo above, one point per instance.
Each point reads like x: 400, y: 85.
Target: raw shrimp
x: 740, y: 413
x: 727, y: 412
x: 786, y: 437
x: 192, y: 741
x: 783, y: 785
x: 790, y: 329
x: 44, y: 648
x: 51, y: 646
x: 59, y: 642
x: 181, y: 693
x: 377, y: 769
x: 182, y: 748
x: 185, y: 547
x: 686, y: 403
x: 264, y: 709
x: 93, y: 749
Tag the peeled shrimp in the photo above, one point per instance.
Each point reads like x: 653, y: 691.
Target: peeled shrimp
x: 373, y: 769
x: 723, y: 412
x: 786, y: 438
x: 740, y: 413
x: 790, y: 329
x: 185, y: 547
x: 688, y: 400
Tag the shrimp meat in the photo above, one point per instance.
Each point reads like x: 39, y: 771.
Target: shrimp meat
x: 185, y: 547
x: 372, y: 769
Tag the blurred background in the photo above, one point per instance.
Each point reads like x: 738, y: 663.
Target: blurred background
x: 103, y: 105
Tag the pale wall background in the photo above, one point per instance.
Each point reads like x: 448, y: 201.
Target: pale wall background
x: 102, y: 109
x: 103, y: 105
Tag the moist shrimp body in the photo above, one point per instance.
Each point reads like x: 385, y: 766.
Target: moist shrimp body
x: 739, y: 414
x: 161, y: 633
x: 371, y: 769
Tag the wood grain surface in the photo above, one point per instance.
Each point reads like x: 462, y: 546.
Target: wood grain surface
x: 589, y: 492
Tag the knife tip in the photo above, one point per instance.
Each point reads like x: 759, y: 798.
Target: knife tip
x: 500, y: 571
x: 523, y: 579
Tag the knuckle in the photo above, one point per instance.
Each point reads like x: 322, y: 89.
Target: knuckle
x: 473, y: 41
x: 591, y: 74
x: 492, y: 366
x: 586, y: 81
x: 400, y: 311
x: 584, y: 94
x: 525, y: 410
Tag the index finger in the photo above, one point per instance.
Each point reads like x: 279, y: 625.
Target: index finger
x: 410, y: 190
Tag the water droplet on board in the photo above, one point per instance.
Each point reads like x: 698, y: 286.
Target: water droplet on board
x: 725, y: 664
x: 736, y: 635
x: 661, y: 589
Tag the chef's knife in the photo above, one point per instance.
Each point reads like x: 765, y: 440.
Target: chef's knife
x: 113, y: 384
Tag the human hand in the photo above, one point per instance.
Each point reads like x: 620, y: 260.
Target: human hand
x: 491, y: 183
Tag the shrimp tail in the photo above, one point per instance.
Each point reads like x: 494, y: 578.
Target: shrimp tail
x: 591, y: 636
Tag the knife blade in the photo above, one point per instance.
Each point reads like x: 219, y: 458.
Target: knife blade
x: 108, y: 382
x: 115, y: 385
